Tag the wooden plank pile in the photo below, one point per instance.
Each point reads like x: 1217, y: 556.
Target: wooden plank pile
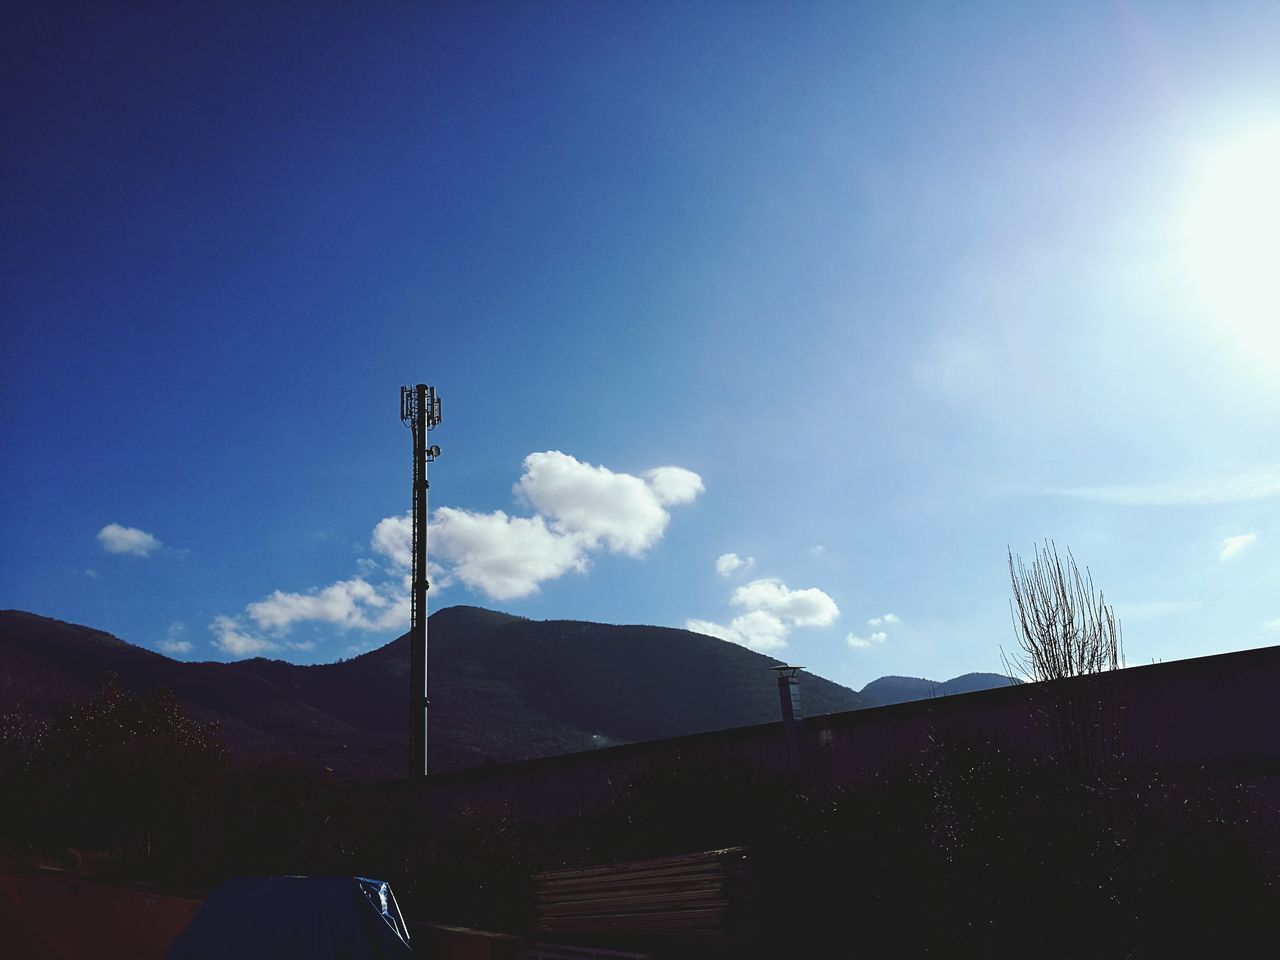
x: 694, y: 896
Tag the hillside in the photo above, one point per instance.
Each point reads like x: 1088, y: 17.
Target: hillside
x: 887, y: 690
x: 502, y: 688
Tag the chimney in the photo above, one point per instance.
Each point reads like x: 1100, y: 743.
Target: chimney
x: 789, y: 699
x: 789, y: 691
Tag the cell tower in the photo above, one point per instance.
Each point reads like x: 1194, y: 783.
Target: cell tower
x: 420, y: 412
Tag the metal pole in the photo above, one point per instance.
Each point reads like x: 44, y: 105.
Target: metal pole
x: 418, y: 630
x: 420, y: 411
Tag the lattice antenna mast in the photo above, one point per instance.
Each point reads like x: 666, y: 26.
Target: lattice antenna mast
x: 420, y: 412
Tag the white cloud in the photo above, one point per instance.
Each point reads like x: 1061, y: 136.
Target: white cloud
x: 758, y: 630
x: 773, y: 610
x: 817, y: 550
x: 858, y: 642
x: 175, y: 640
x: 624, y: 513
x: 674, y: 486
x: 804, y: 608
x: 582, y: 509
x: 229, y: 636
x: 347, y: 604
x: 1273, y: 624
x: 393, y: 539
x: 728, y: 563
x: 1233, y: 545
x: 92, y: 574
x: 876, y: 637
x: 505, y: 557
x: 117, y: 539
x: 1257, y: 485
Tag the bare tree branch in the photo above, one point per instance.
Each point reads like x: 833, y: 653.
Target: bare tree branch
x: 1064, y: 627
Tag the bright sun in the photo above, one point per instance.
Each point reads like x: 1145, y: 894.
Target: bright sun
x: 1233, y: 242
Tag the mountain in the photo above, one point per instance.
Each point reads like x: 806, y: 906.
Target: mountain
x: 887, y: 690
x: 502, y: 688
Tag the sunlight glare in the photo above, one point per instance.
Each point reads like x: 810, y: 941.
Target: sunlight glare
x: 1232, y: 247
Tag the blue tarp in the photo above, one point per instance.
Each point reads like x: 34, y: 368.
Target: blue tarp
x: 320, y: 918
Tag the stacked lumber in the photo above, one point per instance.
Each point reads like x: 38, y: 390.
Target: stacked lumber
x: 692, y: 896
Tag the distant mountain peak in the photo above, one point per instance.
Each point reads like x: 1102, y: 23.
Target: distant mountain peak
x: 893, y: 689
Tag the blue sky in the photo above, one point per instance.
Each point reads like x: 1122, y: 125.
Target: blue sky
x: 860, y: 294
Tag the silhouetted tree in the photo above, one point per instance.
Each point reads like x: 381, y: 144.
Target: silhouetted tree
x: 1063, y: 625
x: 119, y: 769
x: 1065, y: 629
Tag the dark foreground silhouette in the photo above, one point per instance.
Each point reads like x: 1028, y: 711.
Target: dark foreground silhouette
x: 961, y: 850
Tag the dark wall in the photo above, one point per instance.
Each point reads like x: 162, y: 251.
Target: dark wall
x: 1203, y: 718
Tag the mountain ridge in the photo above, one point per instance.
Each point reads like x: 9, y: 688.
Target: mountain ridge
x: 894, y: 689
x: 502, y: 688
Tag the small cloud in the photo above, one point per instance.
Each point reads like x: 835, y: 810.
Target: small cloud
x: 861, y: 643
x: 230, y: 637
x: 757, y: 630
x: 817, y: 550
x: 117, y: 539
x: 674, y: 486
x: 302, y: 645
x: 875, y: 638
x: 393, y: 538
x: 92, y: 574
x: 347, y: 604
x: 597, y: 508
x: 728, y: 563
x: 1273, y: 624
x: 1233, y: 545
x: 804, y: 608
x: 175, y: 639
x: 773, y: 609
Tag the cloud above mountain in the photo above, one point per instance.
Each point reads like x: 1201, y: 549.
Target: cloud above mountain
x: 602, y: 509
x: 503, y: 557
x: 580, y: 510
x: 347, y: 604
x: 878, y: 634
x: 772, y: 610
